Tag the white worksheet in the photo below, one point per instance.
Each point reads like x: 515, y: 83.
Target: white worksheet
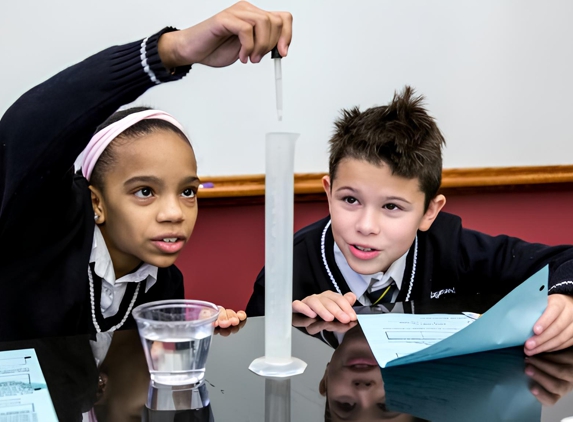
x: 24, y: 395
x: 399, y: 339
x: 399, y: 335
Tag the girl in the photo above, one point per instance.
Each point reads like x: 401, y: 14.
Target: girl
x: 80, y: 251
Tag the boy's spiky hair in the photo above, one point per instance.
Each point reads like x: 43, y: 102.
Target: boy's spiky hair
x: 400, y: 134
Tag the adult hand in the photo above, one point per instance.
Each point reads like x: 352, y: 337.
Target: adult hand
x: 327, y: 305
x: 554, y: 328
x: 242, y: 32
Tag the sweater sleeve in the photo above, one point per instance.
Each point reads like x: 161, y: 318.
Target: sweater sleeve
x: 500, y: 263
x: 256, y: 305
x: 44, y: 131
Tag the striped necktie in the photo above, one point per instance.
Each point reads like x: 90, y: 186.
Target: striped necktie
x: 382, y: 295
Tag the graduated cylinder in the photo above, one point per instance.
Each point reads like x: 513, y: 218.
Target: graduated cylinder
x: 279, y: 221
x: 279, y: 205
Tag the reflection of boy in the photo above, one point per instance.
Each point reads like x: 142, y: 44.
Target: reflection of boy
x: 354, y: 388
x: 352, y: 383
x: 386, y: 240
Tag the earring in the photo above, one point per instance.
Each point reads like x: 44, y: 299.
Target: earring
x: 96, y: 217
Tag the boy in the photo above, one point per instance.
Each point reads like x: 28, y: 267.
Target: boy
x: 386, y: 241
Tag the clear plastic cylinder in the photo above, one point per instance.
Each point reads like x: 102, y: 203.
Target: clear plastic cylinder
x: 279, y: 222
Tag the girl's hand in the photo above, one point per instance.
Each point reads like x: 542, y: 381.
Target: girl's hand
x: 229, y: 318
x: 242, y: 32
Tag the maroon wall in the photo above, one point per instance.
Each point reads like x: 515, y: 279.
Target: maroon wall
x: 226, y: 251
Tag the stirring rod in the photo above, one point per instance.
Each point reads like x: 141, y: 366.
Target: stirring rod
x: 278, y: 82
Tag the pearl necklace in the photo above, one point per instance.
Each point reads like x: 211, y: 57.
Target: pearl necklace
x: 323, y: 253
x: 92, y: 302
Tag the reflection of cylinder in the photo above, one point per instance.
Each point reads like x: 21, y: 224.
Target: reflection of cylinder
x: 277, y: 400
x: 279, y: 199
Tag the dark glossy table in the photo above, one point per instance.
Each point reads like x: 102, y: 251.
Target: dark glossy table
x: 482, y: 387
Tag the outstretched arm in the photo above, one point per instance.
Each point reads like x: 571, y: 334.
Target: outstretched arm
x: 242, y: 32
x: 45, y: 130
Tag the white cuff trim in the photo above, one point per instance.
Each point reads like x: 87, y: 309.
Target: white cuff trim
x: 143, y: 57
x: 562, y: 283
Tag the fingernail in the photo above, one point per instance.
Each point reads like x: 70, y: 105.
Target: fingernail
x: 538, y: 329
x: 530, y: 344
x: 529, y: 371
x: 534, y: 391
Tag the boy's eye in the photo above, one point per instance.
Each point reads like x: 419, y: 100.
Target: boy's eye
x: 391, y: 207
x: 144, y: 193
x: 188, y: 193
x: 350, y: 199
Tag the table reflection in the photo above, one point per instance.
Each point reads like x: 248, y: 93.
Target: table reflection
x: 277, y: 400
x: 500, y: 385
x: 173, y: 403
x: 106, y: 379
x: 70, y: 371
x: 353, y: 384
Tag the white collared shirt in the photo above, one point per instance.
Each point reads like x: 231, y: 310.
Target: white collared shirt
x: 112, y: 290
x: 358, y: 283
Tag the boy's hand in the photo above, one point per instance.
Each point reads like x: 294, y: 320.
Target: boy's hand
x: 552, y: 376
x: 554, y: 329
x: 242, y: 31
x: 328, y: 305
x: 229, y: 318
x: 314, y: 326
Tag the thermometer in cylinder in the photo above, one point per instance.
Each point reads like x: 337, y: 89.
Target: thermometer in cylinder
x: 277, y: 58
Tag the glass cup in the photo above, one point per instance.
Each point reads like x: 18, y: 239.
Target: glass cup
x: 176, y: 335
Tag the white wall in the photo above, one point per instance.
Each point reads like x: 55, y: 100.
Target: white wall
x: 497, y: 74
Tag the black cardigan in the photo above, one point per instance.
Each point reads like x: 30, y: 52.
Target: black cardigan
x: 450, y: 261
x: 46, y: 217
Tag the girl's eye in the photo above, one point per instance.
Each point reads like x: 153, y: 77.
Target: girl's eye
x: 144, y: 193
x: 350, y: 200
x: 391, y: 207
x: 188, y: 193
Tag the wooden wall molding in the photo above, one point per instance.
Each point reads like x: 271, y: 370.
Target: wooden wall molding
x: 311, y: 184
